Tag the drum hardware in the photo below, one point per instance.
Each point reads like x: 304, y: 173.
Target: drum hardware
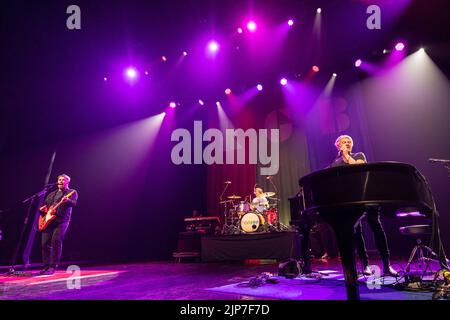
x: 234, y: 197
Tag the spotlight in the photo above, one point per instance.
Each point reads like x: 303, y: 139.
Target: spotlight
x: 290, y: 22
x: 334, y: 75
x: 213, y: 46
x: 319, y: 10
x: 172, y: 105
x: 251, y: 26
x: 163, y: 58
x: 105, y: 79
x: 185, y: 53
x: 239, y: 30
x: 218, y: 104
x: 200, y: 102
x: 385, y: 51
x: 315, y: 69
x: 422, y: 50
x: 259, y: 87
x: 283, y: 81
x: 131, y: 73
x: 227, y: 91
x: 399, y: 46
x: 146, y: 73
x: 358, y: 63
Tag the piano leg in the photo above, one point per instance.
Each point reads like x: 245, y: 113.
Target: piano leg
x: 344, y: 231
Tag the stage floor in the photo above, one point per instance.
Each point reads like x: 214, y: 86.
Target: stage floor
x: 191, y: 281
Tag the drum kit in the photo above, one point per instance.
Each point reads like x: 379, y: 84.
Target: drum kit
x: 241, y: 216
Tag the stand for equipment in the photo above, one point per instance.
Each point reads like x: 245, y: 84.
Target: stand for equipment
x: 30, y: 200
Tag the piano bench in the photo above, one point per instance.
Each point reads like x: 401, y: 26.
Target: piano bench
x: 416, y: 230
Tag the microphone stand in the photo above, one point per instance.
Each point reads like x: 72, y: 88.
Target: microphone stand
x: 30, y: 200
x: 225, y: 215
x: 32, y: 232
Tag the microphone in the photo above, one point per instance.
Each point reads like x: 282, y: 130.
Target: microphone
x: 438, y: 160
x: 227, y: 182
x: 51, y: 184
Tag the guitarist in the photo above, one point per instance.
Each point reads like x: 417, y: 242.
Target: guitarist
x: 53, y: 235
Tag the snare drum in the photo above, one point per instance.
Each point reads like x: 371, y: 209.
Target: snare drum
x: 250, y: 222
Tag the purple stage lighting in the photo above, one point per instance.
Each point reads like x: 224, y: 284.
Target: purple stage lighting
x: 213, y: 46
x: 227, y: 91
x: 290, y: 22
x: 163, y: 58
x: 315, y: 68
x: 319, y: 10
x: 200, y: 102
x: 399, y: 46
x: 259, y: 87
x: 131, y: 73
x: 172, y: 105
x: 251, y: 26
x: 358, y: 63
x: 283, y: 81
x: 105, y: 79
x: 239, y: 30
x: 185, y: 53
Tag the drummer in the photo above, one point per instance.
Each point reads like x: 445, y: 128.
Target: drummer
x: 260, y: 202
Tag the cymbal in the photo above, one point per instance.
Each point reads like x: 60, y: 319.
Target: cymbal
x: 270, y: 194
x: 234, y: 197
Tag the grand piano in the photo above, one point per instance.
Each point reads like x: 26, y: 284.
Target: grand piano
x: 342, y: 195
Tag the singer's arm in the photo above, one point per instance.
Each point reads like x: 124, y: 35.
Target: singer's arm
x: 355, y: 158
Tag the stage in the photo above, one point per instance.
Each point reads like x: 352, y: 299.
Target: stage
x: 269, y: 245
x: 197, y: 281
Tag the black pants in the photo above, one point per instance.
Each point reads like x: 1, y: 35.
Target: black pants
x: 52, y: 240
x: 373, y: 219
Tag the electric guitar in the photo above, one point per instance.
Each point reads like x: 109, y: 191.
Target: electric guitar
x: 50, y: 213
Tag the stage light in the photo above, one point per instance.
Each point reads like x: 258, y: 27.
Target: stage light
x: 385, y: 51
x: 315, y: 69
x: 290, y: 22
x: 399, y: 46
x: 131, y: 73
x: 163, y: 58
x: 105, y: 79
x: 213, y: 46
x: 251, y: 26
x: 358, y: 63
x: 172, y: 105
x: 422, y: 50
x: 319, y: 10
x: 200, y: 102
x: 227, y: 91
x: 259, y: 87
x: 146, y: 73
x: 239, y: 30
x: 283, y: 81
x: 334, y: 74
x: 185, y: 53
x: 218, y: 104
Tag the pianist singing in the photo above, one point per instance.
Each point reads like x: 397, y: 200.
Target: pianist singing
x: 344, y: 145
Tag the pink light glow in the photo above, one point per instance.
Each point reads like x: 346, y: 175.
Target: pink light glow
x: 399, y: 46
x: 315, y: 68
x: 283, y: 81
x: 358, y: 63
x: 251, y: 26
x: 290, y: 22
x: 172, y: 105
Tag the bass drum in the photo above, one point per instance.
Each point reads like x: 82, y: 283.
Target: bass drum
x: 250, y: 222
